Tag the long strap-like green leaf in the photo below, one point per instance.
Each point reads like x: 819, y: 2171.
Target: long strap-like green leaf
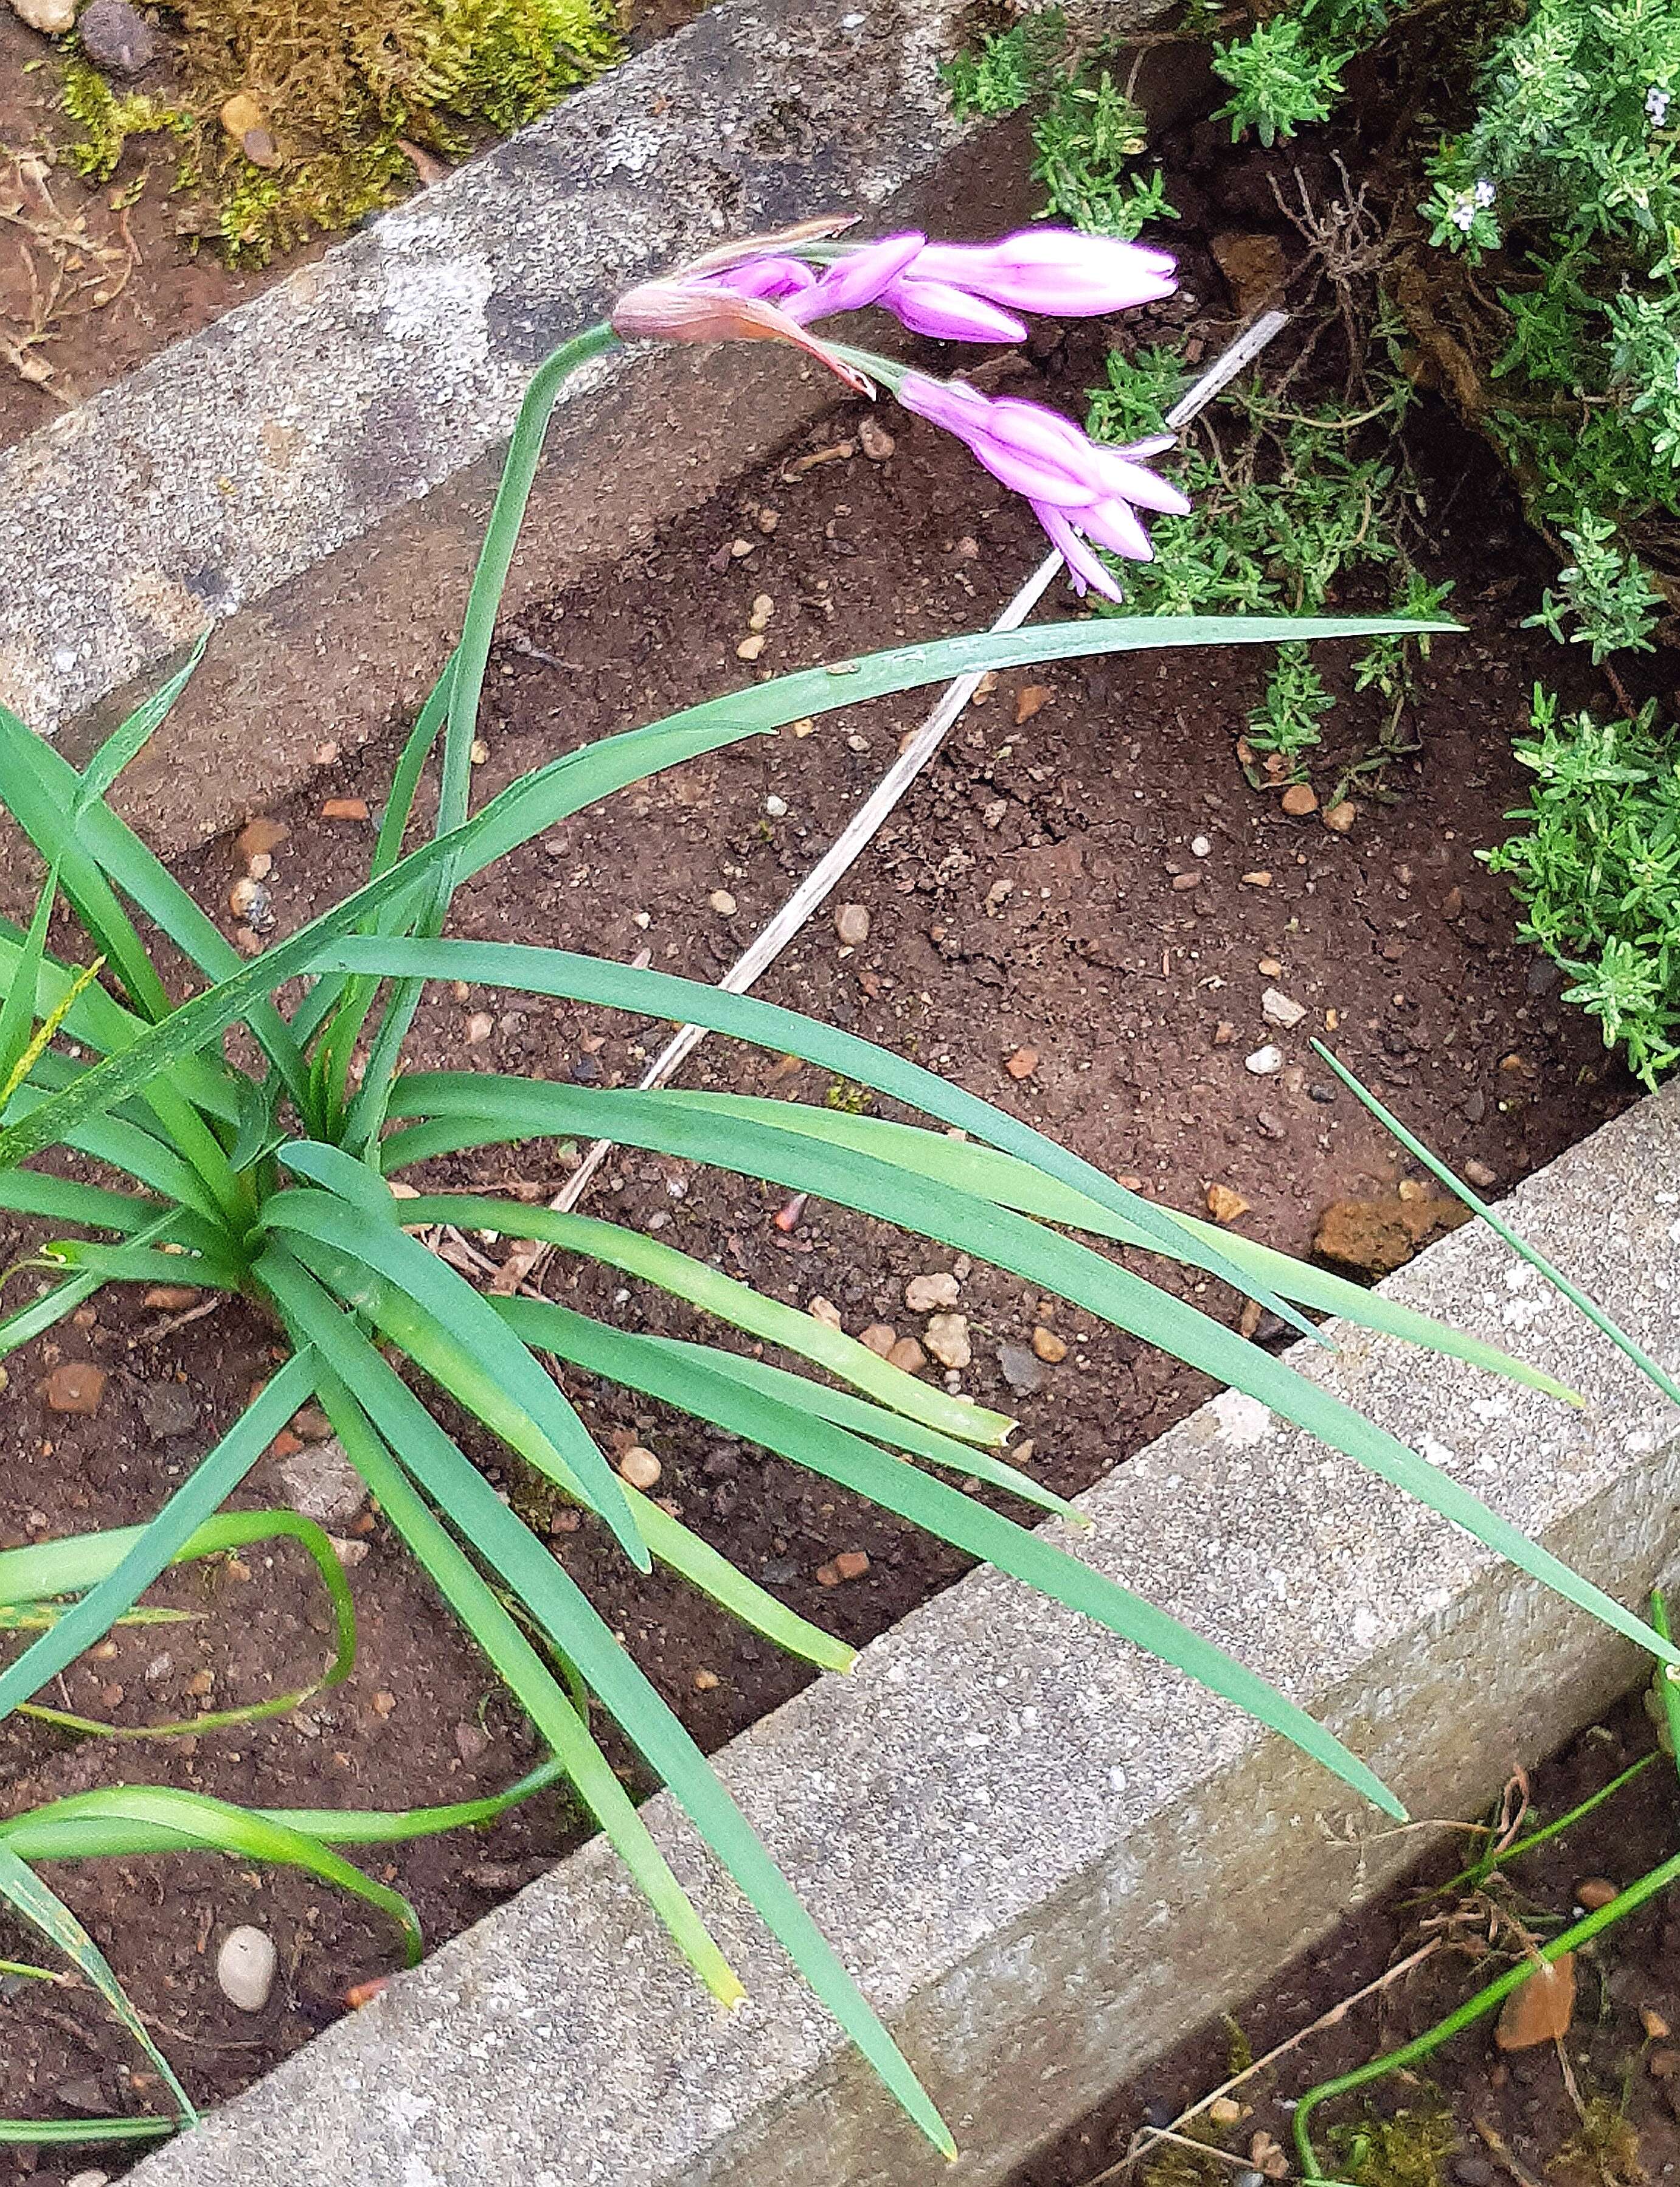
x: 475, y: 1108
x: 558, y: 1605
x: 526, y: 808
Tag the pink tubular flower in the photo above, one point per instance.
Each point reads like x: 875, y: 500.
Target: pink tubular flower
x: 1057, y: 272
x: 1083, y: 493
x: 971, y: 291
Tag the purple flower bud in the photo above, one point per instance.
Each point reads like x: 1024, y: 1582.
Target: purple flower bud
x: 771, y: 278
x: 856, y: 280
x: 945, y: 313
x: 1080, y: 490
x: 1055, y: 271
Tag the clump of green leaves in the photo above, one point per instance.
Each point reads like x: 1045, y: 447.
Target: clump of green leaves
x: 1280, y: 80
x: 1408, y: 2150
x: 106, y: 119
x: 1547, y: 168
x: 1604, y: 593
x: 1088, y: 133
x: 1598, y: 871
x: 1284, y: 511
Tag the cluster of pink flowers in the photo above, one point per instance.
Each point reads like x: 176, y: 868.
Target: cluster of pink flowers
x: 778, y: 287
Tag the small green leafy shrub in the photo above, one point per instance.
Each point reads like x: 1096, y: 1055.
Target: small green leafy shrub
x: 1087, y: 133
x: 1289, y: 508
x: 1544, y: 163
x: 1597, y: 872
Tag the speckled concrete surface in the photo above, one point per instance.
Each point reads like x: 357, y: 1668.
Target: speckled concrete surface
x: 1045, y: 1856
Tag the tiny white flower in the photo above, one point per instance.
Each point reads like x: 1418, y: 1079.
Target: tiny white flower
x: 1463, y: 216
x: 1484, y: 193
x: 1656, y: 104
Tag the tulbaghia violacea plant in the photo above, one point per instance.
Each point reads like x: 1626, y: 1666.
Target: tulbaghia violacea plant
x: 276, y: 1184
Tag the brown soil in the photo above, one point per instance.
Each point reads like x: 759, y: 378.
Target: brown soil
x: 1510, y: 2117
x: 168, y: 289
x: 1022, y: 897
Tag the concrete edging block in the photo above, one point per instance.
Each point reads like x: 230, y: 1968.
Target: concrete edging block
x: 1045, y: 1856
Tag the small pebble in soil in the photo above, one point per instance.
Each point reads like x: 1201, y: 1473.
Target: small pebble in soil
x: 1048, y: 1347
x: 722, y: 904
x: 877, y: 443
x: 879, y: 1337
x: 479, y: 1026
x: 170, y: 1298
x: 1183, y: 883
x: 1541, y: 2010
x: 76, y: 1386
x: 908, y: 1355
x: 114, y: 35
x: 1594, y: 1891
x: 1224, y: 2110
x: 246, y: 1967
x: 1224, y: 1205
x: 777, y: 807
x: 1259, y: 879
x: 1655, y: 2027
x: 1479, y: 1174
x: 639, y: 1467
x: 1200, y: 846
x: 1279, y: 1008
x: 384, y: 1704
x: 344, y: 808
x: 88, y: 2180
x: 750, y: 648
x: 322, y: 1483
x: 706, y: 1682
x: 1341, y: 817
x: 1269, y: 967
x: 851, y: 924
x: 947, y: 1340
x: 1021, y: 1368
x: 1032, y: 701
x: 51, y: 17
x: 1265, y: 1062
x: 1300, y: 799
x: 240, y: 113
x: 850, y: 1563
x: 1023, y: 1063
x: 928, y: 1294
x: 168, y: 1409
x: 825, y: 1310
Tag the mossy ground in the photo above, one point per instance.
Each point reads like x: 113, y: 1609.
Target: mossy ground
x: 346, y: 95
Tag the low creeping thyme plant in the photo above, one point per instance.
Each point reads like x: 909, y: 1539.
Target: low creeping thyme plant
x: 1536, y: 209
x: 275, y: 1182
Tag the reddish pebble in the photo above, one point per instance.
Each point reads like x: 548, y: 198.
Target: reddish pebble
x: 345, y: 808
x: 1023, y: 1063
x: 76, y: 1387
x: 260, y: 839
x: 364, y: 1993
x: 1300, y: 799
